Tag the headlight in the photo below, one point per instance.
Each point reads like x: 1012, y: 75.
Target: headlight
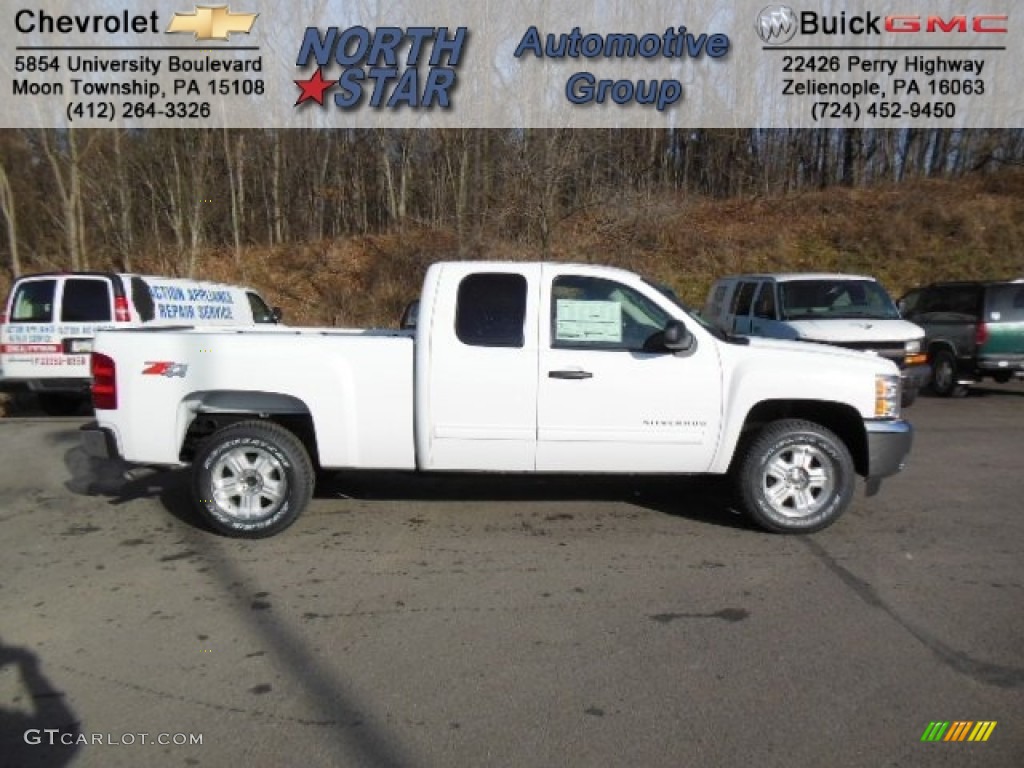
x: 912, y: 354
x: 887, y: 396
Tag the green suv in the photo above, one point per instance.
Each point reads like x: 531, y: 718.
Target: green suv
x: 973, y: 330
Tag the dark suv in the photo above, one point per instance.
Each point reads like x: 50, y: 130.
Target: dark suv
x: 972, y: 330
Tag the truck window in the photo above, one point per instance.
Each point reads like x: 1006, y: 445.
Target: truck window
x: 86, y: 301
x: 764, y: 307
x: 1006, y: 303
x: 491, y: 310
x: 33, y: 302
x: 716, y: 302
x: 908, y: 304
x: 962, y: 300
x: 143, y: 299
x: 261, y: 313
x: 594, y: 313
x: 742, y: 299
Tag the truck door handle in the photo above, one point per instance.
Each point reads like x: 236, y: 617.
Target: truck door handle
x: 570, y: 375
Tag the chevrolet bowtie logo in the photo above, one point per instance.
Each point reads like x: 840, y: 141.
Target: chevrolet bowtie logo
x: 212, y: 22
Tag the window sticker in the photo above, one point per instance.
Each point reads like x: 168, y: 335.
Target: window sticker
x: 599, y: 321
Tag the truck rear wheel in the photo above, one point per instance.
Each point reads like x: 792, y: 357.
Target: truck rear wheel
x: 795, y: 477
x: 252, y: 479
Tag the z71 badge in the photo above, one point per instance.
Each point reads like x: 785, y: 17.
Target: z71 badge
x: 168, y: 369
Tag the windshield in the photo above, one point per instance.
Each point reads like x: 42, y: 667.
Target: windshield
x: 835, y: 299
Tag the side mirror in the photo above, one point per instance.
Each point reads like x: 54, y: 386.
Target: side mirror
x: 677, y: 337
x: 408, y: 321
x: 277, y: 314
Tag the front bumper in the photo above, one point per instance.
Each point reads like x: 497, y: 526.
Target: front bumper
x: 889, y: 444
x: 992, y: 365
x: 98, y: 441
x: 916, y: 377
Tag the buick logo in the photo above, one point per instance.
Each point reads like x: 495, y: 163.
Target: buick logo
x: 776, y: 24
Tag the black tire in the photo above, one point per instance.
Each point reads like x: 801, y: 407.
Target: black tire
x: 252, y: 479
x: 908, y: 397
x: 810, y: 467
x: 944, y: 375
x: 60, y: 403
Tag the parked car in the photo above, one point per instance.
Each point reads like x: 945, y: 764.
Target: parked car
x: 973, y: 330
x: 49, y: 320
x: 851, y: 311
x: 512, y: 367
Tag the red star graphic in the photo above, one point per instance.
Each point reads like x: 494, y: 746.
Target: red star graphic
x: 313, y: 88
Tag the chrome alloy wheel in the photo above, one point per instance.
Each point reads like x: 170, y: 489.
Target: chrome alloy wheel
x: 248, y: 483
x: 798, y: 480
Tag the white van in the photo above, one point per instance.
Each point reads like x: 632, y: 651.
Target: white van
x: 49, y: 320
x: 852, y: 311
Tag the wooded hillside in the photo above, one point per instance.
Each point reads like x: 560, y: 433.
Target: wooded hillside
x: 337, y: 226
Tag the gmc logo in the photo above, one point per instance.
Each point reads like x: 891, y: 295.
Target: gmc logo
x: 984, y: 23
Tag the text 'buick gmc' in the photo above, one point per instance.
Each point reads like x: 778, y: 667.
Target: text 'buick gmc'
x: 511, y: 367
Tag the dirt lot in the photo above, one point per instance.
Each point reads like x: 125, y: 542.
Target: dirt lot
x: 508, y: 622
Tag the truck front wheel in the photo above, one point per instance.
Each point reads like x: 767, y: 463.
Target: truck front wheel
x: 944, y: 375
x: 252, y: 479
x: 795, y: 477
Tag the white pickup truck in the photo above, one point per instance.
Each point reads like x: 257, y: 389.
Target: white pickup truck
x: 511, y: 367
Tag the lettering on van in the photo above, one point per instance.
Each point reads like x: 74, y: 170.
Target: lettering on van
x: 175, y: 293
x: 173, y: 302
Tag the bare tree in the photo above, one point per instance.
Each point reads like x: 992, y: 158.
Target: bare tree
x: 63, y: 153
x: 8, y: 209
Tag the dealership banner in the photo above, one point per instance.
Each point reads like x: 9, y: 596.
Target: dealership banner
x: 513, y: 64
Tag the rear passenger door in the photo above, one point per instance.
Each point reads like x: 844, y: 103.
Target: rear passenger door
x: 86, y: 306
x: 482, y: 396
x: 28, y: 338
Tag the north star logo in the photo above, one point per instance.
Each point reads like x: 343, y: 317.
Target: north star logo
x: 212, y: 22
x: 313, y: 88
x: 387, y: 68
x: 776, y: 24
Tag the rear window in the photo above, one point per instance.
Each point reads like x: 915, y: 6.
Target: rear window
x: 33, y: 302
x: 86, y: 301
x: 1006, y: 303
